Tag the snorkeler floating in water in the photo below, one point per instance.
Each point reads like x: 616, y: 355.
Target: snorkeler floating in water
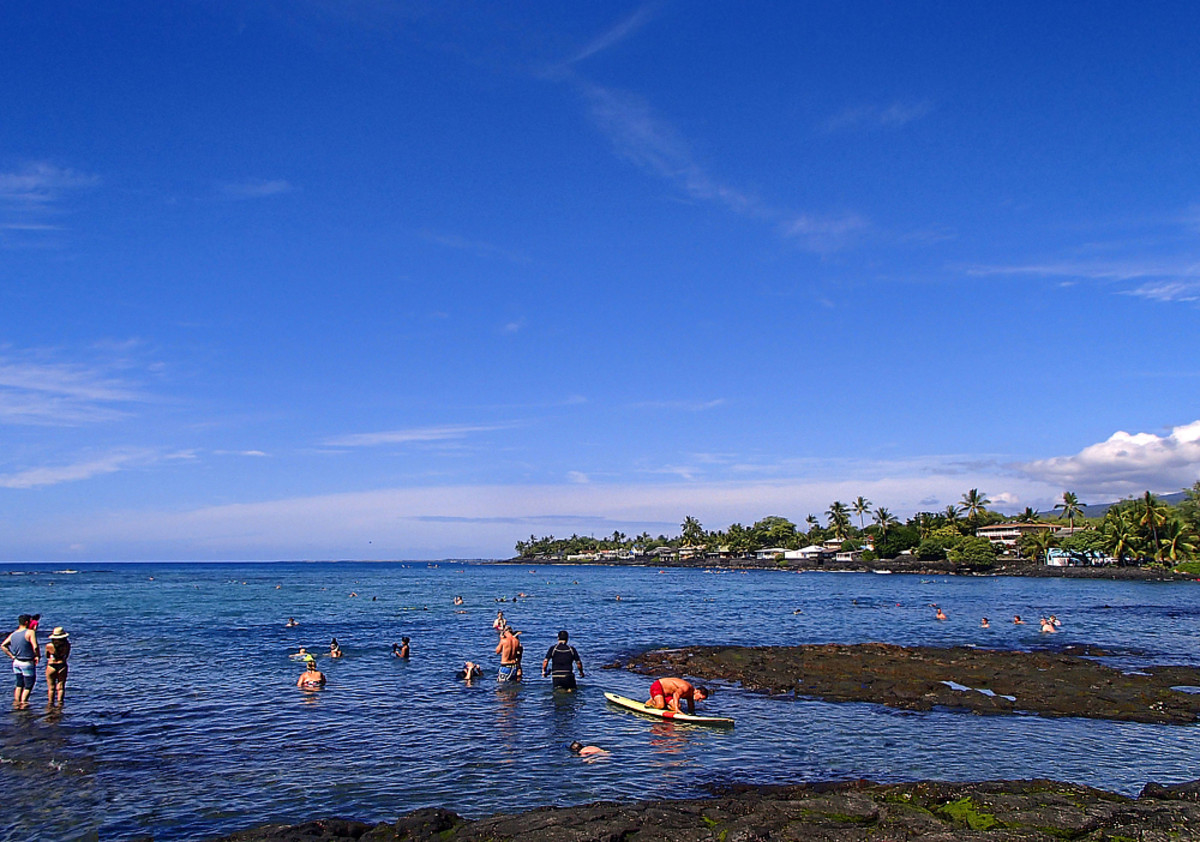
x: 585, y: 751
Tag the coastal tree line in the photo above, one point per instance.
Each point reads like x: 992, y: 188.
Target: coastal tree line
x: 1141, y: 530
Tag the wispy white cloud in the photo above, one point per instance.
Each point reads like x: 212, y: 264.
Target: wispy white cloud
x: 32, y: 193
x: 640, y: 136
x: 1126, y: 464
x: 255, y: 188
x: 865, y: 117
x: 1158, y: 279
x: 825, y: 234
x: 415, y: 434
x: 616, y: 34
x: 51, y: 393
x: 39, y: 184
x: 577, y: 477
x: 74, y: 472
x: 476, y: 247
x: 252, y: 453
x: 1168, y: 290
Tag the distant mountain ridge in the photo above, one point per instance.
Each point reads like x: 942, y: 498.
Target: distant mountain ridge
x: 1098, y: 509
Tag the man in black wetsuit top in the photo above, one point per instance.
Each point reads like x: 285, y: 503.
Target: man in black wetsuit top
x: 562, y: 658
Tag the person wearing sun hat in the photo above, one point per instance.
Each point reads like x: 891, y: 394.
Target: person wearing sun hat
x: 57, y: 652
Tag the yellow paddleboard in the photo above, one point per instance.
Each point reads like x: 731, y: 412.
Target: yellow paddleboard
x: 694, y: 718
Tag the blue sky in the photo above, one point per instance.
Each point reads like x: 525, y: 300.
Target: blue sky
x: 378, y: 280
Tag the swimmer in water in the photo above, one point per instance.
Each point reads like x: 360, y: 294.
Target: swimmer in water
x: 469, y: 671
x: 1017, y: 621
x: 335, y: 649
x: 585, y: 751
x: 941, y: 615
x: 984, y: 624
x: 291, y: 623
x: 311, y: 679
x: 404, y: 651
x: 1047, y: 626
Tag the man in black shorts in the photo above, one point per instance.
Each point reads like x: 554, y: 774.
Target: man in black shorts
x: 562, y: 658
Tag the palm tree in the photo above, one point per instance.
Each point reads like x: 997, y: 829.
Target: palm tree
x: 693, y: 532
x: 839, y: 520
x: 811, y: 522
x: 924, y: 524
x: 885, y: 520
x: 1037, y: 543
x: 1027, y: 516
x: 1176, y: 541
x: 1152, y: 514
x: 1121, y: 534
x: 1071, y: 507
x: 861, y: 506
x: 973, y: 504
x: 951, y: 514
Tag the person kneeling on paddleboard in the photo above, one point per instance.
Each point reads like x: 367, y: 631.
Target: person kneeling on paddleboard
x: 667, y: 693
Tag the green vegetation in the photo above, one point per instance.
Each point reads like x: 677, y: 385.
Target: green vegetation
x: 964, y: 811
x: 1137, y: 531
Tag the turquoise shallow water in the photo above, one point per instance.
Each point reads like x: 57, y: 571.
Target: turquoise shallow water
x: 182, y: 720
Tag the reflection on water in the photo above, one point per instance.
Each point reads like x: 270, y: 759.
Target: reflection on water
x: 667, y: 738
x: 144, y: 751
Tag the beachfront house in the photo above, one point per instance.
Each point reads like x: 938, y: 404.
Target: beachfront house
x: 1006, y: 536
x: 771, y: 553
x: 813, y: 552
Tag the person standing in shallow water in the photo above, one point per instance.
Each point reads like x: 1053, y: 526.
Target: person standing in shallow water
x: 507, y: 650
x: 562, y: 659
x: 22, y: 646
x: 57, y: 652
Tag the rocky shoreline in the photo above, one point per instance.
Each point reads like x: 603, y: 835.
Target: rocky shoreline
x: 849, y: 811
x: 985, y: 681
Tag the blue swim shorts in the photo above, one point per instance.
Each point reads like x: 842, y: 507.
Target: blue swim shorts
x: 507, y: 673
x: 26, y: 674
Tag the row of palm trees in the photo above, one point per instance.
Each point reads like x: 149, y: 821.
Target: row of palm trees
x: 1145, y: 528
x: 1141, y: 528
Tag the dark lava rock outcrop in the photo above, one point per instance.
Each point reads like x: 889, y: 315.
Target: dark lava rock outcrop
x: 855, y: 811
x: 921, y: 678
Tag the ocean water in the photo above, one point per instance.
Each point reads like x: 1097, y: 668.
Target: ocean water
x: 182, y: 720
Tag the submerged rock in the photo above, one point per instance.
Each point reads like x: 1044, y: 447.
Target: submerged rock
x: 920, y: 678
x: 852, y: 811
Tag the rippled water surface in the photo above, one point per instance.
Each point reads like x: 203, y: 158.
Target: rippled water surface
x: 182, y: 719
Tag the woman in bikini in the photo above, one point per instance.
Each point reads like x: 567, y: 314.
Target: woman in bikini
x: 57, y: 652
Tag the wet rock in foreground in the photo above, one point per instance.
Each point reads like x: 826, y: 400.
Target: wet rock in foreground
x: 854, y: 811
x: 915, y: 678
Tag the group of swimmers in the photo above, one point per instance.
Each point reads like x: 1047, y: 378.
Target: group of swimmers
x: 1048, y: 625
x: 22, y: 647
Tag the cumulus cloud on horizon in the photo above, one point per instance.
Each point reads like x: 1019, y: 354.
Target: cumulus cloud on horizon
x: 1126, y: 463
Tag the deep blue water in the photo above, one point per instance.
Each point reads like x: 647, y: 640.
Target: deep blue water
x: 182, y: 720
